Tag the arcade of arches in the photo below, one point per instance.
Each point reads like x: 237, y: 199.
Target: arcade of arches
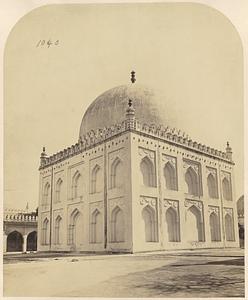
x: 20, y: 232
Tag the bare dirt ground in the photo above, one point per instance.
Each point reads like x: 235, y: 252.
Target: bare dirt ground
x: 201, y: 273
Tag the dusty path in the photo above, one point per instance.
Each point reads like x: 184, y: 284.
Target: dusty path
x: 194, y: 274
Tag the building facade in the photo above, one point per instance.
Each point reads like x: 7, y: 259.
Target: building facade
x: 19, y: 231
x: 132, y: 183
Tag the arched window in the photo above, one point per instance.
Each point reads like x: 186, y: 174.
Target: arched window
x: 45, y: 232
x: 117, y: 225
x: 57, y: 231
x: 116, y: 174
x: 192, y: 181
x: 150, y: 225
x: 227, y: 193
x: 58, y: 190
x: 76, y: 185
x: 172, y: 225
x: 229, y: 228
x: 212, y: 186
x: 214, y: 227
x: 46, y: 193
x: 75, y: 228
x: 95, y: 180
x: 194, y: 225
x: 148, y: 172
x: 96, y: 227
x: 170, y: 177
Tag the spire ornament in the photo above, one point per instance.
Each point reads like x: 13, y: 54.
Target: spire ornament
x: 43, y: 157
x: 228, y: 151
x: 133, y: 79
x: 130, y: 115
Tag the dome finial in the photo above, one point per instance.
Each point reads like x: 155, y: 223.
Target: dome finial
x: 133, y: 79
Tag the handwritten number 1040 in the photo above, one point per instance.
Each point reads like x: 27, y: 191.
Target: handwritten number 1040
x: 47, y: 43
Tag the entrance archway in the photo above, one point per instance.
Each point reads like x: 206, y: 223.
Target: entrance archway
x: 14, y: 242
x: 32, y: 241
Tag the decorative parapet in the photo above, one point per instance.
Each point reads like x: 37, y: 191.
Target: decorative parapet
x: 19, y: 216
x: 95, y: 137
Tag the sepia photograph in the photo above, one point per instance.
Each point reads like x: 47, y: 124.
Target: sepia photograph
x: 123, y: 152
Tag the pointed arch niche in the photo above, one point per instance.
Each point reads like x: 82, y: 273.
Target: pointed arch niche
x: 58, y: 230
x: 148, y: 172
x: 214, y: 222
x: 212, y: 186
x: 58, y: 188
x: 150, y: 224
x: 45, y: 232
x: 170, y: 176
x: 194, y: 223
x: 172, y: 224
x: 117, y: 225
x: 192, y: 181
x: 116, y: 173
x: 229, y: 227
x: 227, y: 190
x: 96, y: 227
x: 95, y: 181
x: 46, y: 193
x: 77, y: 185
x: 75, y: 230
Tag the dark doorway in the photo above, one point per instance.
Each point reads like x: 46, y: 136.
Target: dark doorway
x: 14, y: 242
x: 32, y: 241
x: 241, y: 236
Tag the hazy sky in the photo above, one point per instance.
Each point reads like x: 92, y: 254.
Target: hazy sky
x: 190, y: 52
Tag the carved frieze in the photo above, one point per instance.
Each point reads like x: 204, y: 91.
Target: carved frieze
x: 214, y: 209
x: 195, y: 166
x: 148, y: 201
x: 145, y: 152
x: 228, y: 210
x: 188, y: 203
x: 96, y: 161
x: 226, y: 175
x: 96, y: 205
x: 117, y: 202
x: 120, y: 153
x: 171, y: 159
x: 170, y: 203
x: 212, y: 171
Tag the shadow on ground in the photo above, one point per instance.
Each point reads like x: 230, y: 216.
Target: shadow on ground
x: 231, y: 262
x: 207, y: 279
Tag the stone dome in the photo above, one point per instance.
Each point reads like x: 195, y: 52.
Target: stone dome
x: 110, y: 107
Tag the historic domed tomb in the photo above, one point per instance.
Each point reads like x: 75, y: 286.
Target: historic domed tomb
x: 133, y: 182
